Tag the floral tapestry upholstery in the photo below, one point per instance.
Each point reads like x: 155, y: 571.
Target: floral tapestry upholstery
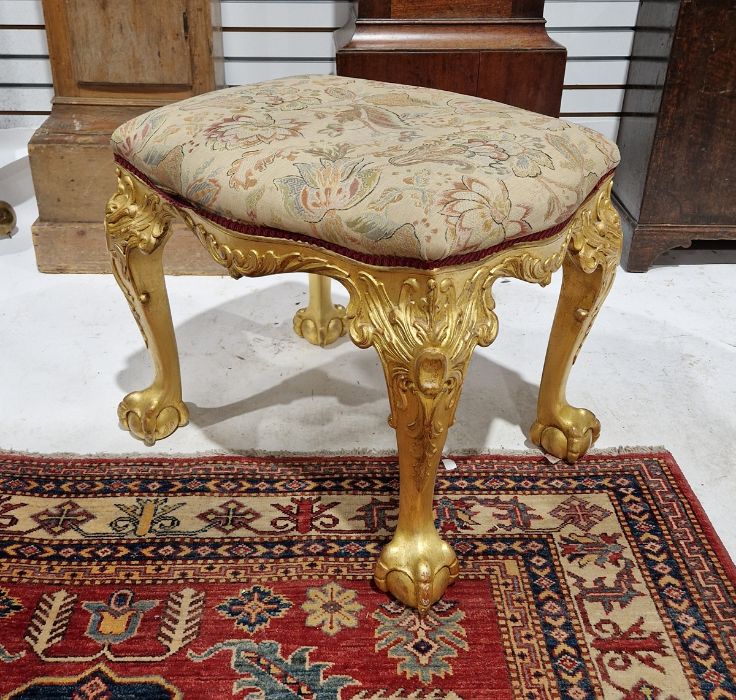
x: 375, y: 168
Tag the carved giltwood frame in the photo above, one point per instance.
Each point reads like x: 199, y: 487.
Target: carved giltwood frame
x: 424, y: 324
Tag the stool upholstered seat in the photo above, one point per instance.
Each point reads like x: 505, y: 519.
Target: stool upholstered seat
x: 383, y: 170
x: 416, y: 201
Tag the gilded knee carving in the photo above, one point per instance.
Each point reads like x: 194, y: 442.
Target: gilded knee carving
x: 136, y: 222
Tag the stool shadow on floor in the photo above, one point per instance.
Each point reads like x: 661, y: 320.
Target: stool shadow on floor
x: 244, y: 370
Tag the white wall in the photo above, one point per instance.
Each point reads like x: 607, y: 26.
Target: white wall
x: 598, y: 35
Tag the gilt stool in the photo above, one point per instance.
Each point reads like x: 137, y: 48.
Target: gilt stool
x: 417, y: 201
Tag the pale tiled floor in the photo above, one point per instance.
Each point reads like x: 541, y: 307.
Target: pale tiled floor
x: 659, y: 367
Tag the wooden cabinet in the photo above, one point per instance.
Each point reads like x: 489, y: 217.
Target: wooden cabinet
x: 496, y: 49
x: 110, y: 62
x: 677, y: 178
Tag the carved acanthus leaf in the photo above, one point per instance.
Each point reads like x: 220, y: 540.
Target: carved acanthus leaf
x: 597, y: 236
x: 596, y: 245
x: 136, y: 217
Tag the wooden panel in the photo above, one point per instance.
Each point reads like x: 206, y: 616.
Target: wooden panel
x: 678, y: 130
x: 697, y: 126
x: 59, y: 249
x: 414, y: 9
x: 488, y: 49
x: 65, y: 192
x: 504, y: 76
x: 441, y: 9
x: 89, y: 63
x: 458, y: 70
x: 104, y: 58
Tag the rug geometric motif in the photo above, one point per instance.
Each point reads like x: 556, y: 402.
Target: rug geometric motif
x: 220, y: 577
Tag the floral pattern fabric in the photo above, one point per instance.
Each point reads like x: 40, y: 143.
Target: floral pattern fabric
x: 377, y: 168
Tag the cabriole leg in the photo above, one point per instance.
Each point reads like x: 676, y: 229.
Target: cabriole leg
x: 322, y: 322
x: 424, y: 330
x: 137, y: 224
x: 589, y: 268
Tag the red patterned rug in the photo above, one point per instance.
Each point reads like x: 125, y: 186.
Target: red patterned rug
x: 219, y: 577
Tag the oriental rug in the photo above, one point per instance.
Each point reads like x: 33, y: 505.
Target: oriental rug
x: 219, y: 577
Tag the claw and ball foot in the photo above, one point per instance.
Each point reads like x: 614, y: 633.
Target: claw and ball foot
x: 569, y: 434
x: 562, y: 430
x: 151, y: 415
x: 322, y: 322
x: 416, y: 569
x: 137, y: 225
